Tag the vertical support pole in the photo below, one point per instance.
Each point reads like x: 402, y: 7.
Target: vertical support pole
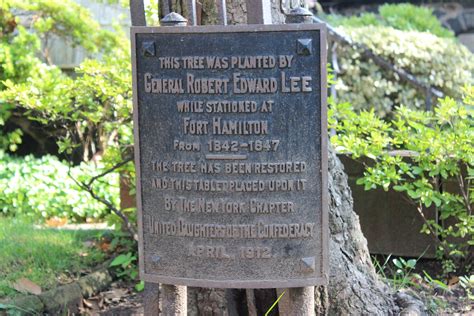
x: 192, y: 15
x: 151, y: 295
x: 256, y: 15
x: 151, y: 299
x: 222, y: 12
x: 137, y: 13
x: 174, y: 297
x: 259, y: 11
x: 336, y: 71
x: 251, y: 304
x: 164, y: 8
x: 301, y: 299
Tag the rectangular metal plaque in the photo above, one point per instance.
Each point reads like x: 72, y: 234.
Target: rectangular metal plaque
x: 231, y: 155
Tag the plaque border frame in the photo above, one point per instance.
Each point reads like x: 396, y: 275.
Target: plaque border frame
x: 277, y: 283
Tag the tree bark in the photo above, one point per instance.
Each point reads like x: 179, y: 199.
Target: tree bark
x: 354, y: 286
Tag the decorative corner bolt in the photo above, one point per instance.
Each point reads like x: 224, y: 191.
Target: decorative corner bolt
x: 299, y: 15
x: 148, y: 49
x: 173, y: 19
x: 304, y: 46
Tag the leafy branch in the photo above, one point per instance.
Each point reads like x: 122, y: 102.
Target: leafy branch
x: 88, y: 187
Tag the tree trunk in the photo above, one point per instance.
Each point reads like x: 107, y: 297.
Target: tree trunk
x: 354, y: 287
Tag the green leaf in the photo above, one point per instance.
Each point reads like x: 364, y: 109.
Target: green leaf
x: 411, y: 263
x: 371, y: 156
x: 417, y: 170
x: 414, y: 194
x: 436, y: 201
x: 399, y: 188
x: 397, y: 263
x: 4, y: 306
x: 121, y: 260
x: 140, y: 286
x: 428, y: 202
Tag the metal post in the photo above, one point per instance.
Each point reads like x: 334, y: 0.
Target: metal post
x: 259, y: 12
x: 335, y: 71
x: 174, y: 297
x: 151, y: 299
x: 151, y: 295
x: 222, y: 11
x: 300, y: 300
x: 164, y: 8
x: 174, y: 300
x: 192, y: 15
x: 137, y: 13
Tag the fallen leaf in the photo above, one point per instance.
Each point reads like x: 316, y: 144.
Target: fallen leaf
x: 87, y: 303
x: 24, y: 285
x: 453, y: 280
x: 56, y: 222
x: 104, y: 246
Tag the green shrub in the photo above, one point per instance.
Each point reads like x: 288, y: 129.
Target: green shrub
x: 404, y: 17
x: 442, y: 147
x: 409, y: 17
x: 41, y: 188
x: 89, y: 114
x: 441, y: 63
x: 40, y: 91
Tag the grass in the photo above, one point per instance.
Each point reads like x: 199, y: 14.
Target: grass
x: 44, y: 256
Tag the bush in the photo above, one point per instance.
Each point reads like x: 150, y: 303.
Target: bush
x: 41, y: 188
x: 441, y: 63
x: 404, y: 17
x: 88, y: 114
x: 442, y: 147
x: 85, y: 110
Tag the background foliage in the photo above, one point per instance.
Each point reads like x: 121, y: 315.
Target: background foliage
x: 411, y: 38
x: 404, y: 17
x: 439, y: 170
x: 89, y: 113
x: 40, y: 188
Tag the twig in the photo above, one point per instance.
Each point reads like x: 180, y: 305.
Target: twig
x: 465, y: 195
x: 88, y: 187
x: 106, y: 172
x: 430, y: 228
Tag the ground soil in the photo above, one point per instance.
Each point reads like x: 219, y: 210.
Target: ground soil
x: 122, y: 300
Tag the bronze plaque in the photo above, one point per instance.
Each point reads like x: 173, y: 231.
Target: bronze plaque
x: 231, y: 155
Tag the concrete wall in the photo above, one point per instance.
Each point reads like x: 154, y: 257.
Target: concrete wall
x: 389, y: 222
